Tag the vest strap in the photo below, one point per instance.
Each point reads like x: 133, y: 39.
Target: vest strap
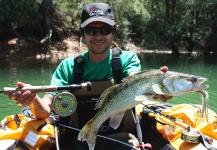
x: 78, y: 69
x: 116, y: 64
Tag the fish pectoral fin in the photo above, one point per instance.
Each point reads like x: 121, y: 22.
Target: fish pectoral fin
x: 115, y: 120
x: 142, y: 97
x: 157, y: 89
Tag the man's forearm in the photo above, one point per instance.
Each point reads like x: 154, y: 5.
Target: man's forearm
x: 41, y: 108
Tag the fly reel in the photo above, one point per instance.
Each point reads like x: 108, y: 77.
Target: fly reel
x: 64, y: 104
x: 190, y: 136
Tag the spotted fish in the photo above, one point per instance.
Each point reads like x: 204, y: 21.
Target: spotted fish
x: 114, y: 101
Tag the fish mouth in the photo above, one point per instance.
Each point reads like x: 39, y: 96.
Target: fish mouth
x: 197, y: 86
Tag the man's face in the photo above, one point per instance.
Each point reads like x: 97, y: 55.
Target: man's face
x: 97, y: 42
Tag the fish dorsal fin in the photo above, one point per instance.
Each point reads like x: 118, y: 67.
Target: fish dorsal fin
x: 116, y: 119
x: 104, y: 97
x: 135, y: 75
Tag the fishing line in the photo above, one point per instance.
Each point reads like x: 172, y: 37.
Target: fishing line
x: 8, y: 106
x: 104, y: 137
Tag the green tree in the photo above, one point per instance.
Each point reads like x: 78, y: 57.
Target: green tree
x: 14, y: 14
x: 157, y: 24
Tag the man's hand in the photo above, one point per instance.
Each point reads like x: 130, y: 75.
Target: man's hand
x: 164, y: 98
x: 164, y: 68
x: 22, y: 99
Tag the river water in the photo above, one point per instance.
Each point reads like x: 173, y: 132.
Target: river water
x: 38, y: 72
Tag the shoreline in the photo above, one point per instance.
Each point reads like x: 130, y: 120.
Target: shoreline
x: 18, y: 49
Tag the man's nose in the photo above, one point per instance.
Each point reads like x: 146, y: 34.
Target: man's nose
x: 98, y: 35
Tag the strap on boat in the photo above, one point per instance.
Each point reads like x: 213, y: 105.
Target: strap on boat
x: 41, y: 126
x: 205, y: 143
x: 18, y: 145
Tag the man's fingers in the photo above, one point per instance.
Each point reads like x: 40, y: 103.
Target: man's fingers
x: 18, y: 104
x: 164, y: 98
x: 14, y: 95
x: 23, y: 99
x: 21, y: 84
x: 155, y: 97
x: 168, y: 97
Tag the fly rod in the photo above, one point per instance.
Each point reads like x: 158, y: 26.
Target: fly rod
x: 36, y: 89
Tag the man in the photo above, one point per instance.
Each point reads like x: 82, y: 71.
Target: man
x: 98, y: 29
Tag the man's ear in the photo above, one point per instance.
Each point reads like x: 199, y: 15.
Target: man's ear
x: 115, y: 30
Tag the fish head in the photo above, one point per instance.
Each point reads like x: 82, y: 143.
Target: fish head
x: 181, y: 84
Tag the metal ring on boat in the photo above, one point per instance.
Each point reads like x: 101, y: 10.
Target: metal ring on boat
x: 64, y: 104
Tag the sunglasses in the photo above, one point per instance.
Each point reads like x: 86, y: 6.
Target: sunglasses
x: 91, y: 31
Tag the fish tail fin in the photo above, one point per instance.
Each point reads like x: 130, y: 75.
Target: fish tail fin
x: 88, y: 135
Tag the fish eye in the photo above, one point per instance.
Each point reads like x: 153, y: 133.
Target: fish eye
x: 194, y: 79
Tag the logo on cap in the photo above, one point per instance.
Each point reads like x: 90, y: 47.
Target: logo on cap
x: 96, y: 12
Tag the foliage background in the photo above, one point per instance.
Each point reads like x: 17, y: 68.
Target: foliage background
x: 177, y: 25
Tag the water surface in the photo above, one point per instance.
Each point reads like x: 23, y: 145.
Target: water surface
x: 38, y: 72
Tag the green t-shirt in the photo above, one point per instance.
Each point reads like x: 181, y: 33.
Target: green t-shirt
x: 95, y: 71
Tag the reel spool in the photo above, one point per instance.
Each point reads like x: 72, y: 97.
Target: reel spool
x: 194, y: 137
x: 190, y: 136
x: 64, y: 104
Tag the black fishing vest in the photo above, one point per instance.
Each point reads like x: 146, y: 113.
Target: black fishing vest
x: 115, y: 64
x: 87, y: 99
